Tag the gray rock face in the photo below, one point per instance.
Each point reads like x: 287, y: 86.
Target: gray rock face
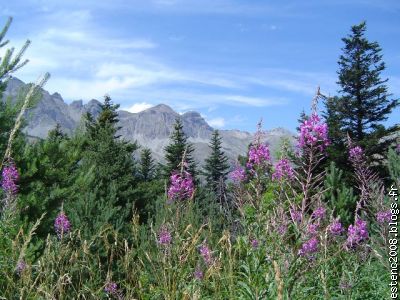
x: 151, y: 128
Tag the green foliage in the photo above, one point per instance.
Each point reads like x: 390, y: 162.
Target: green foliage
x: 46, y: 177
x: 338, y: 195
x: 364, y: 100
x: 105, y: 179
x: 176, y: 149
x: 394, y: 165
x: 147, y: 166
x: 216, y: 167
x: 10, y: 62
x: 146, y: 194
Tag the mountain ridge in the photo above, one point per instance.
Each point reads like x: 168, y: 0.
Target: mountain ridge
x: 151, y: 127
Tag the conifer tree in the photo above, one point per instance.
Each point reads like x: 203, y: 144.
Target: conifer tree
x: 147, y: 167
x: 10, y: 63
x: 47, y: 170
x: 364, y: 99
x: 108, y: 190
x: 216, y: 166
x: 176, y: 149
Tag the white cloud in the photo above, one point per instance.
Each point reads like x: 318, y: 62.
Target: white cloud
x: 216, y: 122
x: 253, y: 101
x: 138, y: 107
x: 86, y: 63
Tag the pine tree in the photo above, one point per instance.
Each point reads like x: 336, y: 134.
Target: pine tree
x: 108, y: 191
x: 147, y: 167
x: 10, y: 62
x: 176, y: 149
x: 364, y: 99
x: 303, y: 117
x: 216, y: 166
x: 46, y: 169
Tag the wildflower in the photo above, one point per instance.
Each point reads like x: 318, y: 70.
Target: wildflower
x: 283, y: 170
x: 164, y: 236
x: 309, y: 247
x: 356, y: 233
x: 398, y: 148
x: 296, y: 215
x: 198, y: 273
x: 356, y: 154
x: 282, y: 229
x: 254, y: 243
x: 206, y: 254
x: 319, y: 213
x: 111, y: 288
x: 384, y: 216
x: 182, y: 186
x: 62, y: 225
x: 344, y: 285
x: 312, y: 229
x: 335, y: 227
x: 21, y: 266
x: 238, y: 175
x: 9, y: 179
x: 258, y: 155
x: 313, y: 132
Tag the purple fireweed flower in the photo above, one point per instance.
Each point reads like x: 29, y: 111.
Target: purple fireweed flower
x: 282, y: 229
x: 356, y: 154
x: 164, y: 236
x: 21, y: 266
x: 61, y: 224
x: 296, y: 215
x: 356, y: 233
x: 258, y: 155
x: 312, y: 229
x: 198, y: 273
x: 398, y: 148
x: 313, y: 132
x: 309, y: 247
x: 283, y: 169
x: 238, y: 175
x: 344, y: 285
x: 384, y: 216
x: 182, y: 186
x: 111, y: 288
x: 9, y: 179
x: 319, y: 213
x: 254, y: 243
x: 335, y: 228
x: 206, y: 254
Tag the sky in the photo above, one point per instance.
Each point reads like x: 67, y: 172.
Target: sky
x: 234, y: 61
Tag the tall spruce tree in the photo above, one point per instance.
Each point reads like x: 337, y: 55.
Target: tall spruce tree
x: 47, y: 169
x: 104, y: 189
x: 174, y: 152
x: 364, y: 101
x: 147, y: 167
x: 216, y: 166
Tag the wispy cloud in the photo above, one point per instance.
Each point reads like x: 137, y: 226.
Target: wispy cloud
x: 138, y: 107
x: 217, y: 122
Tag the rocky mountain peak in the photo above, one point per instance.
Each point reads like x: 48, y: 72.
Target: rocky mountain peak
x: 151, y: 128
x: 161, y: 108
x: 77, y: 104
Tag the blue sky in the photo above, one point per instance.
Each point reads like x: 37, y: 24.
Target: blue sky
x: 233, y: 61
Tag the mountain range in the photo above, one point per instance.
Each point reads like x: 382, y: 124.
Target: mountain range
x: 151, y: 128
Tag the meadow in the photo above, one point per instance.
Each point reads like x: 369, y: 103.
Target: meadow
x: 81, y: 218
